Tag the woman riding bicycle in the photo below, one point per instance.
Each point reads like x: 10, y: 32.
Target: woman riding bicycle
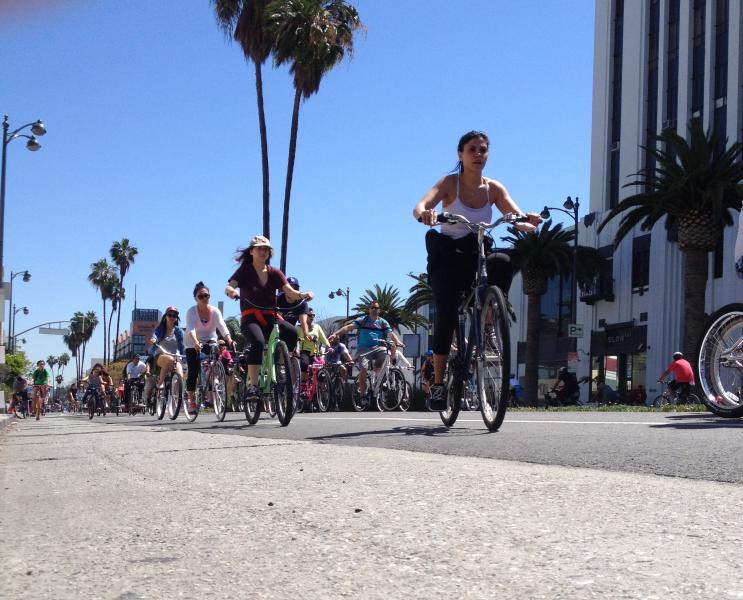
x: 258, y: 283
x: 203, y: 321
x: 169, y: 339
x: 452, y: 254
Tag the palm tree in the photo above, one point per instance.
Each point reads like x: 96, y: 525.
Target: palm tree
x: 116, y: 295
x: 313, y: 36
x: 63, y: 360
x: 539, y: 256
x: 122, y: 254
x: 392, y: 307
x: 420, y: 292
x: 82, y: 326
x: 101, y: 276
x: 245, y: 22
x: 696, y: 187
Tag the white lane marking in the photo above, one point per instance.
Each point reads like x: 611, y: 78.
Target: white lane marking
x: 324, y: 418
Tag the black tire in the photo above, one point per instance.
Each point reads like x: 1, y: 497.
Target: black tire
x: 337, y: 392
x: 719, y: 375
x: 134, y: 399
x: 198, y: 396
x: 174, y: 395
x: 283, y: 388
x: 392, y: 393
x: 324, y: 390
x: 360, y: 403
x: 454, y: 387
x: 407, y: 397
x: 218, y: 384
x: 92, y: 401
x: 494, y: 359
x: 660, y: 401
x: 151, y: 401
x: 160, y: 400
x: 252, y: 406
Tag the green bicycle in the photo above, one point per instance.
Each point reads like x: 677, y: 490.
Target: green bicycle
x: 277, y: 380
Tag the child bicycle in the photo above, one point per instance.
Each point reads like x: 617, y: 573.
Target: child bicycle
x: 479, y: 369
x: 278, y: 378
x: 316, y: 388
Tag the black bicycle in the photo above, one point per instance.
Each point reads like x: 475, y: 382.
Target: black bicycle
x: 480, y: 368
x: 94, y: 401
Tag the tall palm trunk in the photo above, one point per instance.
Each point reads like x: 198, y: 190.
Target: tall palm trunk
x: 289, y: 177
x: 118, y: 315
x: 695, y: 284
x: 110, y: 319
x: 264, y: 150
x: 105, y: 337
x: 531, y: 370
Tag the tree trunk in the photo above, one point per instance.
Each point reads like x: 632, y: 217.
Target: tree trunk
x: 105, y: 343
x: 531, y: 375
x: 695, y: 286
x: 289, y: 176
x: 118, y: 314
x: 264, y: 150
x: 110, y: 319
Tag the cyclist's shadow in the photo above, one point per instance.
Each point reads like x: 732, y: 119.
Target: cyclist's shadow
x: 401, y: 431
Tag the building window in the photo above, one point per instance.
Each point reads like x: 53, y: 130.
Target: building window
x: 697, y: 58
x: 615, y: 124
x: 641, y: 264
x: 138, y: 344
x: 672, y: 65
x: 721, y: 72
x: 651, y: 107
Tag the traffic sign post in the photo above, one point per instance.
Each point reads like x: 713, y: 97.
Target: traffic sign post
x: 575, y: 330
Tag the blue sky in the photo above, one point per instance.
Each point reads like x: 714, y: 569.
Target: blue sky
x: 153, y: 135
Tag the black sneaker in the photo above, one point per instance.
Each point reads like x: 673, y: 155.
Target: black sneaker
x: 437, y: 400
x: 253, y: 392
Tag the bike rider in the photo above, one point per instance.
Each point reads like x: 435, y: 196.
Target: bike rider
x: 566, y: 387
x: 452, y: 253
x: 169, y: 337
x: 683, y: 375
x: 258, y: 283
x: 371, y: 329
x: 20, y: 396
x: 310, y: 342
x: 41, y: 380
x: 294, y: 312
x: 202, y: 323
x: 338, y: 354
x: 135, y: 371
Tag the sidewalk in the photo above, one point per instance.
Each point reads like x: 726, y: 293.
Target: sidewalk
x: 96, y: 511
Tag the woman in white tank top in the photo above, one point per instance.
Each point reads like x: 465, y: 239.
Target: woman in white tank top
x: 466, y: 192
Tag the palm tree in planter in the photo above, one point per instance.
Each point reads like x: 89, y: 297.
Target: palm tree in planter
x: 696, y: 187
x: 312, y: 36
x: 539, y: 256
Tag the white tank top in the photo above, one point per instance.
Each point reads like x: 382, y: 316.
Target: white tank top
x: 474, y: 215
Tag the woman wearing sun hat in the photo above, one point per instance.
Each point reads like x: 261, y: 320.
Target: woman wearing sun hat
x: 258, y: 283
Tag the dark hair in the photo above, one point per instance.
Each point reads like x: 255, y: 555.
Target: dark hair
x: 470, y: 135
x: 244, y: 256
x: 164, y: 321
x: 199, y: 286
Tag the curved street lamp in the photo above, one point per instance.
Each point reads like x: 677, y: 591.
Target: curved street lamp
x: 37, y: 129
x: 570, y: 208
x: 339, y: 292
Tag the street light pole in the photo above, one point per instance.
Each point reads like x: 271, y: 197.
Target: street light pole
x: 15, y: 312
x: 26, y: 277
x: 37, y: 129
x: 570, y: 208
x: 347, y: 294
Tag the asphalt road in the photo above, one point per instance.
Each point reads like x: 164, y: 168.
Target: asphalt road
x: 331, y: 507
x: 693, y: 445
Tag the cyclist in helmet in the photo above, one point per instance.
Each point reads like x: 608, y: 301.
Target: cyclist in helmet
x: 683, y: 375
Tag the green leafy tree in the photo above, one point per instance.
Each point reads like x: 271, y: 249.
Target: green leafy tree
x: 539, y: 256
x: 245, y: 22
x: 392, y: 307
x: 696, y: 187
x: 420, y: 292
x: 122, y: 254
x: 311, y: 36
x: 15, y: 364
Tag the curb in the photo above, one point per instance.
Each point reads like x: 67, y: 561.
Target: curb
x: 5, y: 420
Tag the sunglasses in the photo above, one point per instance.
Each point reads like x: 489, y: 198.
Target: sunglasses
x: 175, y: 315
x: 202, y: 296
x: 374, y: 307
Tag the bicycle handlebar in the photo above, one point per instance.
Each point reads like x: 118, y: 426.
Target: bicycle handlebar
x: 510, y: 218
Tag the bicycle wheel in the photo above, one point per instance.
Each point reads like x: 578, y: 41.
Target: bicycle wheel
x: 133, y: 400
x: 152, y: 398
x: 252, y: 406
x: 407, y: 397
x: 283, y: 388
x: 91, y: 405
x: 174, y: 395
x: 392, y: 390
x: 159, y: 400
x: 323, y: 390
x: 721, y: 363
x: 360, y: 403
x: 494, y: 359
x: 660, y: 401
x: 453, y: 383
x: 217, y: 382
x: 337, y: 391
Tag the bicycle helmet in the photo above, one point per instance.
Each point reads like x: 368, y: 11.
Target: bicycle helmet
x: 293, y: 281
x: 677, y: 355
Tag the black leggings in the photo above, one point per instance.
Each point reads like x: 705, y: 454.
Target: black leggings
x: 256, y: 335
x: 451, y: 278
